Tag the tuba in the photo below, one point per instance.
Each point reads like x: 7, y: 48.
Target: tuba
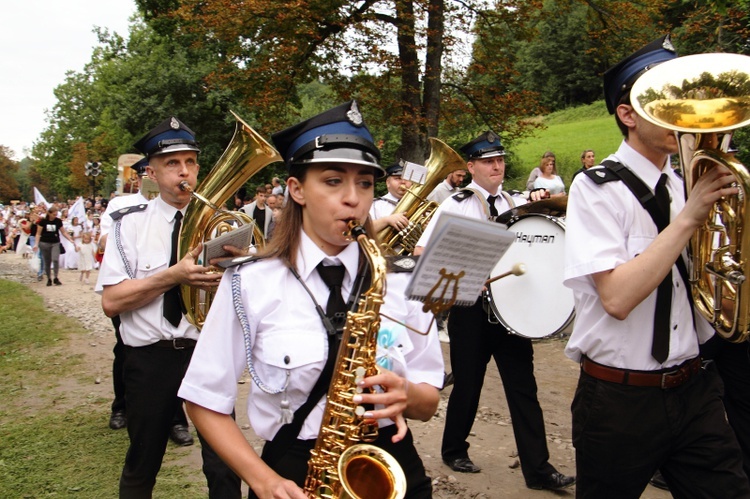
x: 341, y: 463
x: 703, y: 98
x: 246, y: 154
x: 442, y: 161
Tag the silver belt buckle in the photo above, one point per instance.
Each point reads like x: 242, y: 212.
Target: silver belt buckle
x: 175, y: 345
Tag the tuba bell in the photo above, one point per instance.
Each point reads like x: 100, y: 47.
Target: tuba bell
x: 703, y: 98
x: 414, y: 205
x: 246, y: 154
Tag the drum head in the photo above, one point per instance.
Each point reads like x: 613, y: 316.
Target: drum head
x: 534, y: 304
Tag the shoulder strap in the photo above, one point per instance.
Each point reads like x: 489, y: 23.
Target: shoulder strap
x: 509, y: 199
x: 640, y: 190
x: 116, y: 215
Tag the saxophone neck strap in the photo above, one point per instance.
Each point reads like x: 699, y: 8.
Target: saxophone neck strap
x: 287, y: 434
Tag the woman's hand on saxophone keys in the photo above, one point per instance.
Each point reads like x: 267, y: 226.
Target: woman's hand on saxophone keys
x: 394, y: 398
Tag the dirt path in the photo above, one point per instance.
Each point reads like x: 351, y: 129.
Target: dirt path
x: 492, y: 444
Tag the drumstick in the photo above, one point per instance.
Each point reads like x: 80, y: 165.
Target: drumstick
x: 517, y: 269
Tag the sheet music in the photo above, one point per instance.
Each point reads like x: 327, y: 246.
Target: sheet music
x: 240, y: 237
x: 459, y: 243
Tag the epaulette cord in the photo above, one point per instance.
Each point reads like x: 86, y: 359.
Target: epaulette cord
x: 396, y: 264
x: 239, y: 260
x: 116, y: 215
x: 463, y: 195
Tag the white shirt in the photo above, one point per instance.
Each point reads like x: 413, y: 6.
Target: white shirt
x: 443, y: 191
x: 383, y: 206
x: 146, y: 238
x: 472, y: 207
x: 118, y: 203
x: 554, y: 185
x: 606, y: 226
x: 287, y: 335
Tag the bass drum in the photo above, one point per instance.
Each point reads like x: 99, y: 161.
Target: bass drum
x: 534, y: 304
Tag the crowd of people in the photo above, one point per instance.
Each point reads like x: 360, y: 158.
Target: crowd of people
x: 644, y: 402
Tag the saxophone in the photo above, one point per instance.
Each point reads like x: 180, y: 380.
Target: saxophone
x: 341, y: 465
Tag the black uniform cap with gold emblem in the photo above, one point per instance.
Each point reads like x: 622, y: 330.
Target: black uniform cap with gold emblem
x: 338, y: 135
x: 171, y: 135
x: 619, y: 79
x: 486, y: 145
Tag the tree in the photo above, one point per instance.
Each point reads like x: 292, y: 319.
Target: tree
x: 389, y: 54
x: 8, y: 170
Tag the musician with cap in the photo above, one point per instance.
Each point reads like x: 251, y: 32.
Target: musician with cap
x: 474, y: 340
x: 178, y: 433
x: 382, y: 211
x: 643, y: 401
x: 287, y: 335
x: 139, y: 282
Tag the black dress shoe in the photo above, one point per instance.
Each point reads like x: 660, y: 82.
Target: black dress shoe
x: 180, y: 435
x: 462, y: 465
x: 658, y: 481
x: 553, y: 481
x: 118, y: 420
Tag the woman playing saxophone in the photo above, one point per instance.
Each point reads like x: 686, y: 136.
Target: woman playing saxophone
x: 274, y: 315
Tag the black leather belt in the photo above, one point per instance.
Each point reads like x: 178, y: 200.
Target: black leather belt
x: 176, y: 343
x: 663, y: 379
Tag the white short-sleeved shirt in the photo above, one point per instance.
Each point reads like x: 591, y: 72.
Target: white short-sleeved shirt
x: 606, y: 226
x: 146, y: 240
x: 554, y: 185
x: 383, y: 206
x: 443, y: 191
x: 472, y: 207
x: 287, y: 336
x: 115, y: 204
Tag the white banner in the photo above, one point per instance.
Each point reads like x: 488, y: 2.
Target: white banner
x: 77, y: 210
x: 39, y: 199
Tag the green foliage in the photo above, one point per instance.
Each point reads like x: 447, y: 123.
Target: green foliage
x: 8, y: 176
x: 567, y: 133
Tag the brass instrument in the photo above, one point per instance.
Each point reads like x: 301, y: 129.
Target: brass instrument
x: 246, y: 154
x: 341, y: 465
x: 442, y: 161
x: 703, y: 98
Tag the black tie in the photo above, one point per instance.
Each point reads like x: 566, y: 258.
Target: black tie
x: 660, y: 345
x: 491, y: 200
x: 333, y: 276
x: 172, y: 300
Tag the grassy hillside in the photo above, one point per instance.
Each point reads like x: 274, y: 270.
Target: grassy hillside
x: 567, y: 134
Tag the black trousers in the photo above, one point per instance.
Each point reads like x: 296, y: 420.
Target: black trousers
x: 732, y: 360
x: 623, y: 434
x: 118, y: 382
x: 473, y: 342
x: 152, y: 376
x: 293, y: 464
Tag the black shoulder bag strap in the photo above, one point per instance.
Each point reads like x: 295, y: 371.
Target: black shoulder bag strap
x: 618, y: 171
x: 275, y: 449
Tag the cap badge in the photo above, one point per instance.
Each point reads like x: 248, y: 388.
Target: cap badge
x: 174, y: 124
x: 601, y: 174
x: 353, y: 115
x: 491, y: 137
x: 667, y: 44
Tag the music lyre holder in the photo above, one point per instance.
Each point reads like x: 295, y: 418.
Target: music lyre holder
x: 441, y: 304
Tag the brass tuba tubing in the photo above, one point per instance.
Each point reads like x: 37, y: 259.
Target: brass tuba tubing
x: 414, y: 205
x: 246, y: 154
x: 703, y: 98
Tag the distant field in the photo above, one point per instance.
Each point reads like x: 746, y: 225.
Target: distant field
x: 567, y: 134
